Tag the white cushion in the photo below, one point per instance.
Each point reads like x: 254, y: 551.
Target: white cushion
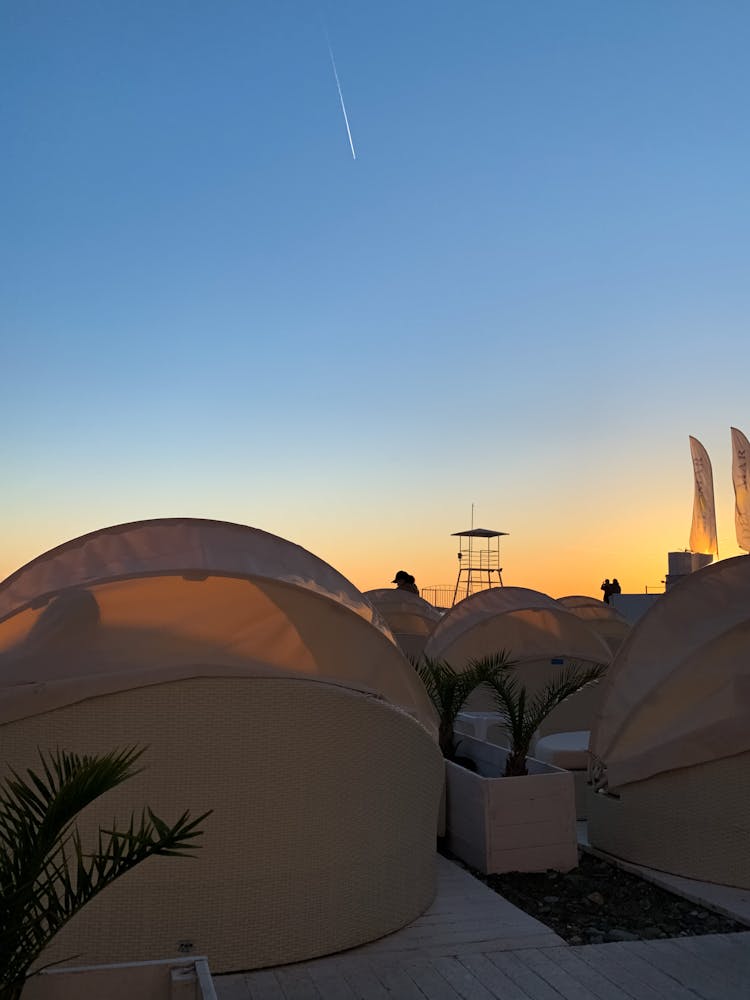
x: 566, y: 750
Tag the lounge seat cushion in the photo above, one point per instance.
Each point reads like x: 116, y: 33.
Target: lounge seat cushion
x: 566, y: 750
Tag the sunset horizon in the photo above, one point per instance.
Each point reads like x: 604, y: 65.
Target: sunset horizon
x: 357, y: 275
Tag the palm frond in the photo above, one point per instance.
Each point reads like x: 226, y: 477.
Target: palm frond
x: 523, y: 715
x: 510, y: 700
x: 449, y: 688
x: 568, y: 682
x: 491, y: 666
x: 46, y: 876
x: 36, y: 811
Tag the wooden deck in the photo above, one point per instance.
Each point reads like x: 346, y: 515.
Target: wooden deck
x: 473, y: 945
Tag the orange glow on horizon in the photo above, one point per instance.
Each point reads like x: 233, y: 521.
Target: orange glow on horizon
x: 637, y: 557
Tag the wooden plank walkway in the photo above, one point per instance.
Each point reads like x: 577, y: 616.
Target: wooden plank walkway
x: 474, y: 945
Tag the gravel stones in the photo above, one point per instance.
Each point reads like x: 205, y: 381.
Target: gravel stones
x: 598, y: 902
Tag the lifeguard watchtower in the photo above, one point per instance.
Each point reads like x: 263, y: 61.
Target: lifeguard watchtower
x: 478, y: 561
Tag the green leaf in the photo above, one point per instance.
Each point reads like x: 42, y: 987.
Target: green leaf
x: 45, y: 875
x: 523, y: 715
x: 449, y: 688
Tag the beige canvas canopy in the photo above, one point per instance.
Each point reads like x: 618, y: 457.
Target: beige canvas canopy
x: 528, y: 624
x: 678, y: 691
x: 410, y: 617
x: 581, y: 601
x: 601, y: 617
x: 152, y: 601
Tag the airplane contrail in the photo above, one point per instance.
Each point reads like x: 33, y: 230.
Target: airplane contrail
x: 341, y: 97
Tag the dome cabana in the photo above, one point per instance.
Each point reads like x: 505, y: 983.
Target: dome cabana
x: 601, y: 617
x: 409, y: 617
x: 539, y: 635
x: 580, y: 601
x: 671, y: 739
x: 266, y: 689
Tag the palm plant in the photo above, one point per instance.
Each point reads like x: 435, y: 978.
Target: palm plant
x: 45, y: 875
x: 523, y: 714
x: 449, y: 689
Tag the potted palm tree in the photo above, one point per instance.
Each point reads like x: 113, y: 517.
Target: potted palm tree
x: 448, y: 690
x: 511, y: 812
x: 45, y: 876
x: 522, y: 715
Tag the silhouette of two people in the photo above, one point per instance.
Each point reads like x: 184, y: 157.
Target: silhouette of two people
x: 610, y: 588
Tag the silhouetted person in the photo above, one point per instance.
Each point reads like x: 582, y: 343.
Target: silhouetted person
x: 66, y: 618
x: 616, y: 589
x: 54, y: 644
x: 405, y: 581
x: 607, y: 589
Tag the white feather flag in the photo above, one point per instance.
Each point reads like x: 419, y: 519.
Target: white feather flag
x: 741, y: 480
x: 703, y: 530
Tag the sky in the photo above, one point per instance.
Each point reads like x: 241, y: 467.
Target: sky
x: 515, y: 305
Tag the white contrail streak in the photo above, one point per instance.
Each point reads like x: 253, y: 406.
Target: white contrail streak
x: 341, y: 97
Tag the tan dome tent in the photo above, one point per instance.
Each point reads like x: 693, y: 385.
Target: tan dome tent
x: 410, y: 617
x: 601, y: 617
x: 540, y: 635
x: 671, y: 740
x: 267, y: 689
x: 580, y: 601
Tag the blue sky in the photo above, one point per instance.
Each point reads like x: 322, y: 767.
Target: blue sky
x: 526, y: 292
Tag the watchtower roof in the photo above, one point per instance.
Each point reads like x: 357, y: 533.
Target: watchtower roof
x: 479, y: 533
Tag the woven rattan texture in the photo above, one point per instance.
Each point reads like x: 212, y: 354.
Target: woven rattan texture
x: 693, y: 822
x: 323, y: 831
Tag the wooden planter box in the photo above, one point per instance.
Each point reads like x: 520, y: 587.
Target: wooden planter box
x: 498, y: 824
